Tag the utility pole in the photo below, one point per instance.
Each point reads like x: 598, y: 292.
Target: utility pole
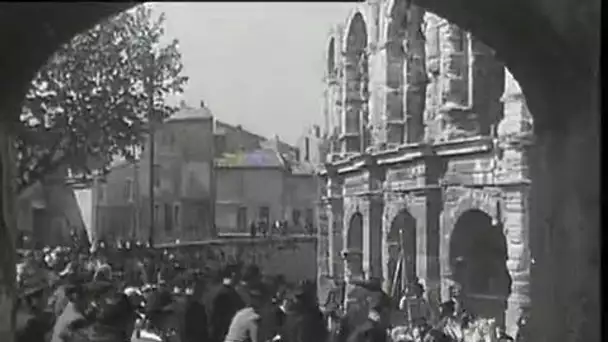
x: 151, y: 127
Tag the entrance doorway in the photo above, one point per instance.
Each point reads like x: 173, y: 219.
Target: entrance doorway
x: 401, y: 238
x: 478, y: 256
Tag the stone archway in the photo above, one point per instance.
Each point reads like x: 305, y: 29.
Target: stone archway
x: 478, y: 262
x: 401, y: 237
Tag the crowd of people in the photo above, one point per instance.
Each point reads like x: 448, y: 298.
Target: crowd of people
x: 142, y: 294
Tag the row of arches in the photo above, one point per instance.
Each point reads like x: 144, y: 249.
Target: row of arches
x: 420, y: 53
x: 477, y: 256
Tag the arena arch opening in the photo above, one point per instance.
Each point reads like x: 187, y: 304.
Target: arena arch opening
x: 477, y: 259
x: 401, y: 243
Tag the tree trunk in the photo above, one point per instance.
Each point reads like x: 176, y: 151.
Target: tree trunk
x: 7, y: 238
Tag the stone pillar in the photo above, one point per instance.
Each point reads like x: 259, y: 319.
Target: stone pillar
x: 457, y: 119
x: 351, y: 101
x: 376, y: 98
x: 323, y: 247
x: 353, y: 273
x: 565, y: 234
x: 486, y: 80
x: 428, y: 239
x: 433, y: 61
x: 415, y: 78
x: 372, y: 230
x: 335, y: 213
x: 395, y: 81
x: 514, y: 139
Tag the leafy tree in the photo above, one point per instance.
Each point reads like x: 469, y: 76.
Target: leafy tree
x: 91, y: 101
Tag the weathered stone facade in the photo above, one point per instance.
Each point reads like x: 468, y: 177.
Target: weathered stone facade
x: 432, y: 132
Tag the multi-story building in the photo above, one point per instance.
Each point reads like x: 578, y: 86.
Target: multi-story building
x: 182, y: 185
x: 428, y: 165
x: 195, y: 199
x: 264, y: 186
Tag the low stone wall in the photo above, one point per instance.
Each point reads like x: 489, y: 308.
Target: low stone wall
x: 294, y: 256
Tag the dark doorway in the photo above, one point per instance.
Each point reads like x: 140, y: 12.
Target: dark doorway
x: 354, y: 236
x: 402, y: 237
x: 478, y: 256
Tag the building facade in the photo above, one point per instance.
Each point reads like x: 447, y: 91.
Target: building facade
x: 430, y: 143
x: 264, y: 186
x: 210, y: 178
x: 183, y: 186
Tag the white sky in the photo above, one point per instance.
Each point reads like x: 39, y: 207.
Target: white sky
x: 257, y: 64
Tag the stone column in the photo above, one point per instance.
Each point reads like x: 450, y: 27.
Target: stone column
x: 415, y: 77
x: 514, y: 139
x: 428, y: 240
x: 323, y: 247
x: 457, y: 119
x: 432, y: 61
x: 335, y: 211
x: 372, y: 230
x: 394, y: 122
x: 351, y: 102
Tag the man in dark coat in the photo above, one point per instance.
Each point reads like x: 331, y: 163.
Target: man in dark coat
x: 304, y: 321
x: 33, y: 323
x: 111, y: 322
x: 195, y: 322
x: 224, y: 305
x: 374, y: 329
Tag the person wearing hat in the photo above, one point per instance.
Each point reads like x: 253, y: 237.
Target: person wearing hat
x: 523, y: 324
x: 74, y: 310
x: 304, y: 321
x: 374, y: 329
x: 224, y: 305
x: 248, y: 324
x: 32, y: 322
x: 415, y: 306
x: 448, y: 324
x: 111, y: 321
x: 163, y: 313
x: 195, y: 328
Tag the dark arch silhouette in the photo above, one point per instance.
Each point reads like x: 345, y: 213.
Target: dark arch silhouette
x: 354, y: 234
x: 356, y: 75
x: 402, y: 237
x: 331, y: 56
x: 478, y: 256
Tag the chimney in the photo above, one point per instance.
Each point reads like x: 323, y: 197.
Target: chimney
x: 202, y: 104
x: 317, y: 131
x: 239, y: 127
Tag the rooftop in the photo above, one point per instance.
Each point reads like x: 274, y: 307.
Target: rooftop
x: 262, y: 158
x: 189, y: 113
